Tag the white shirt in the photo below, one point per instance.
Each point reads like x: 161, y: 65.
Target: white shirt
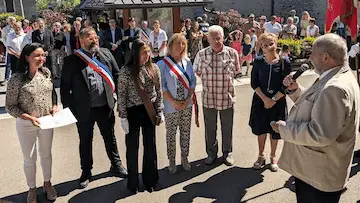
x: 5, y: 32
x: 113, y: 35
x: 16, y: 42
x: 253, y: 41
x: 311, y: 31
x: 275, y: 28
x: 156, y: 42
x: 325, y: 73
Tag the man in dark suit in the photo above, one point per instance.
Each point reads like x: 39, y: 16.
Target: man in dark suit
x: 112, y: 40
x: 46, y: 38
x: 74, y: 36
x: 130, y: 35
x: 91, y: 98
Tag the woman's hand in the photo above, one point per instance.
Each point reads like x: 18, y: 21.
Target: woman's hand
x: 177, y: 105
x: 54, y: 110
x: 35, y: 121
x: 269, y: 103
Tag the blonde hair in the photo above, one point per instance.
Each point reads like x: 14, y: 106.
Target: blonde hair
x: 67, y: 27
x: 177, y: 37
x: 247, y: 37
x: 267, y: 36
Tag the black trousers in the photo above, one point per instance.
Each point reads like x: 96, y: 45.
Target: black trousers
x: 305, y: 193
x: 105, y: 119
x: 138, y: 118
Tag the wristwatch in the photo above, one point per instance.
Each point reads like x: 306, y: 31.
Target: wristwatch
x: 273, y: 98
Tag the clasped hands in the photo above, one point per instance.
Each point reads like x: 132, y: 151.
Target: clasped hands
x: 181, y: 105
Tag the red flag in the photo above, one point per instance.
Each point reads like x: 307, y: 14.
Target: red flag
x: 346, y: 10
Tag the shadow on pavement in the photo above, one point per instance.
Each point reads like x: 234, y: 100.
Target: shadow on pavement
x: 112, y: 192
x: 227, y: 186
x: 118, y: 190
x: 62, y: 189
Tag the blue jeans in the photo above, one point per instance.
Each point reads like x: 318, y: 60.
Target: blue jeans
x: 8, y: 67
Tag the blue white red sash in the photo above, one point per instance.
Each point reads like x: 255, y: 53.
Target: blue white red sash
x: 98, y: 67
x: 183, y: 77
x: 145, y: 36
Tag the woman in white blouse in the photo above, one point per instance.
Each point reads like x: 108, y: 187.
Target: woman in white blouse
x: 158, y: 41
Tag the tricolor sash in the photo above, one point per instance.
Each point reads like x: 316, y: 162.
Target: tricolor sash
x: 145, y: 36
x: 183, y: 77
x: 98, y: 67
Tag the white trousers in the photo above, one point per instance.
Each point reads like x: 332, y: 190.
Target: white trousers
x: 28, y: 134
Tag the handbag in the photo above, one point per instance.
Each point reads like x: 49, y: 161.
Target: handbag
x: 149, y: 106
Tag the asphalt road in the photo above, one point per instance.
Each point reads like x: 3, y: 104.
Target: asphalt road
x: 203, y: 184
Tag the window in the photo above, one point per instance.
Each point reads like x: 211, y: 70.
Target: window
x: 9, y: 6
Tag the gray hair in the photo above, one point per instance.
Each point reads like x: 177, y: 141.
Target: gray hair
x: 144, y: 22
x: 57, y: 24
x: 26, y: 21
x: 290, y: 18
x: 11, y: 18
x: 216, y: 29
x: 334, y: 45
x: 85, y: 32
x: 40, y: 20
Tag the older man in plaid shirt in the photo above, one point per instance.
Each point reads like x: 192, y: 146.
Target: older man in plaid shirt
x: 216, y: 66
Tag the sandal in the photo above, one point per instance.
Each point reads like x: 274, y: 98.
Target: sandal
x: 273, y: 164
x: 260, y: 163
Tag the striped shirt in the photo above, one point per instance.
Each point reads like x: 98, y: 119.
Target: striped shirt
x: 216, y: 71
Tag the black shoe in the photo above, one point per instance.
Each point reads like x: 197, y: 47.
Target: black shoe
x: 150, y: 189
x: 85, y: 179
x: 119, y: 171
x: 357, y: 153
x: 133, y: 190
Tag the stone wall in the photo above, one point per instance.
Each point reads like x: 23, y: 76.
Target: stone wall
x: 28, y: 5
x: 316, y: 8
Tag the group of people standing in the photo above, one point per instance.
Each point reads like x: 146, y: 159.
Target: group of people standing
x: 94, y: 79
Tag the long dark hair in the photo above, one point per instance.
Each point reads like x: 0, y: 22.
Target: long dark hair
x: 133, y: 61
x: 23, y: 66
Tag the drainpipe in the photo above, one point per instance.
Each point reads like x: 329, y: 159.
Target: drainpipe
x: 272, y: 7
x: 22, y: 8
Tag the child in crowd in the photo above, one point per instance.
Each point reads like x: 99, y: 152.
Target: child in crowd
x: 285, y: 52
x: 246, y: 53
x: 236, y: 38
x: 253, y: 42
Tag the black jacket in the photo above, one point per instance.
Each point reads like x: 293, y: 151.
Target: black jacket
x: 108, y: 43
x: 137, y: 33
x: 74, y: 88
x: 47, y: 41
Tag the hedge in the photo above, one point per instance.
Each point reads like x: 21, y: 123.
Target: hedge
x: 4, y: 17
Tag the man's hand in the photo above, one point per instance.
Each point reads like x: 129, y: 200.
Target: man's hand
x: 114, y: 47
x: 275, y: 125
x: 290, y: 83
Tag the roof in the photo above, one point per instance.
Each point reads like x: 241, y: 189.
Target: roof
x: 123, y: 4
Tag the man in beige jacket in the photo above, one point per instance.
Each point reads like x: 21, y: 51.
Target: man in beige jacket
x: 321, y: 129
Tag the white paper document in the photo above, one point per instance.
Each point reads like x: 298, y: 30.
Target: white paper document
x: 61, y: 118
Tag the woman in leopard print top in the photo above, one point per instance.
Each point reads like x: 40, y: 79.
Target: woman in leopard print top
x: 30, y: 94
x: 134, y: 115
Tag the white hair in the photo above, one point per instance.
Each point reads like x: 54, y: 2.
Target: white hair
x: 216, y: 29
x: 334, y: 45
x: 11, y: 18
x: 57, y: 24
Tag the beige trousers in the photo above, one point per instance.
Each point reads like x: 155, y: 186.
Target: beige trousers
x: 28, y: 134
